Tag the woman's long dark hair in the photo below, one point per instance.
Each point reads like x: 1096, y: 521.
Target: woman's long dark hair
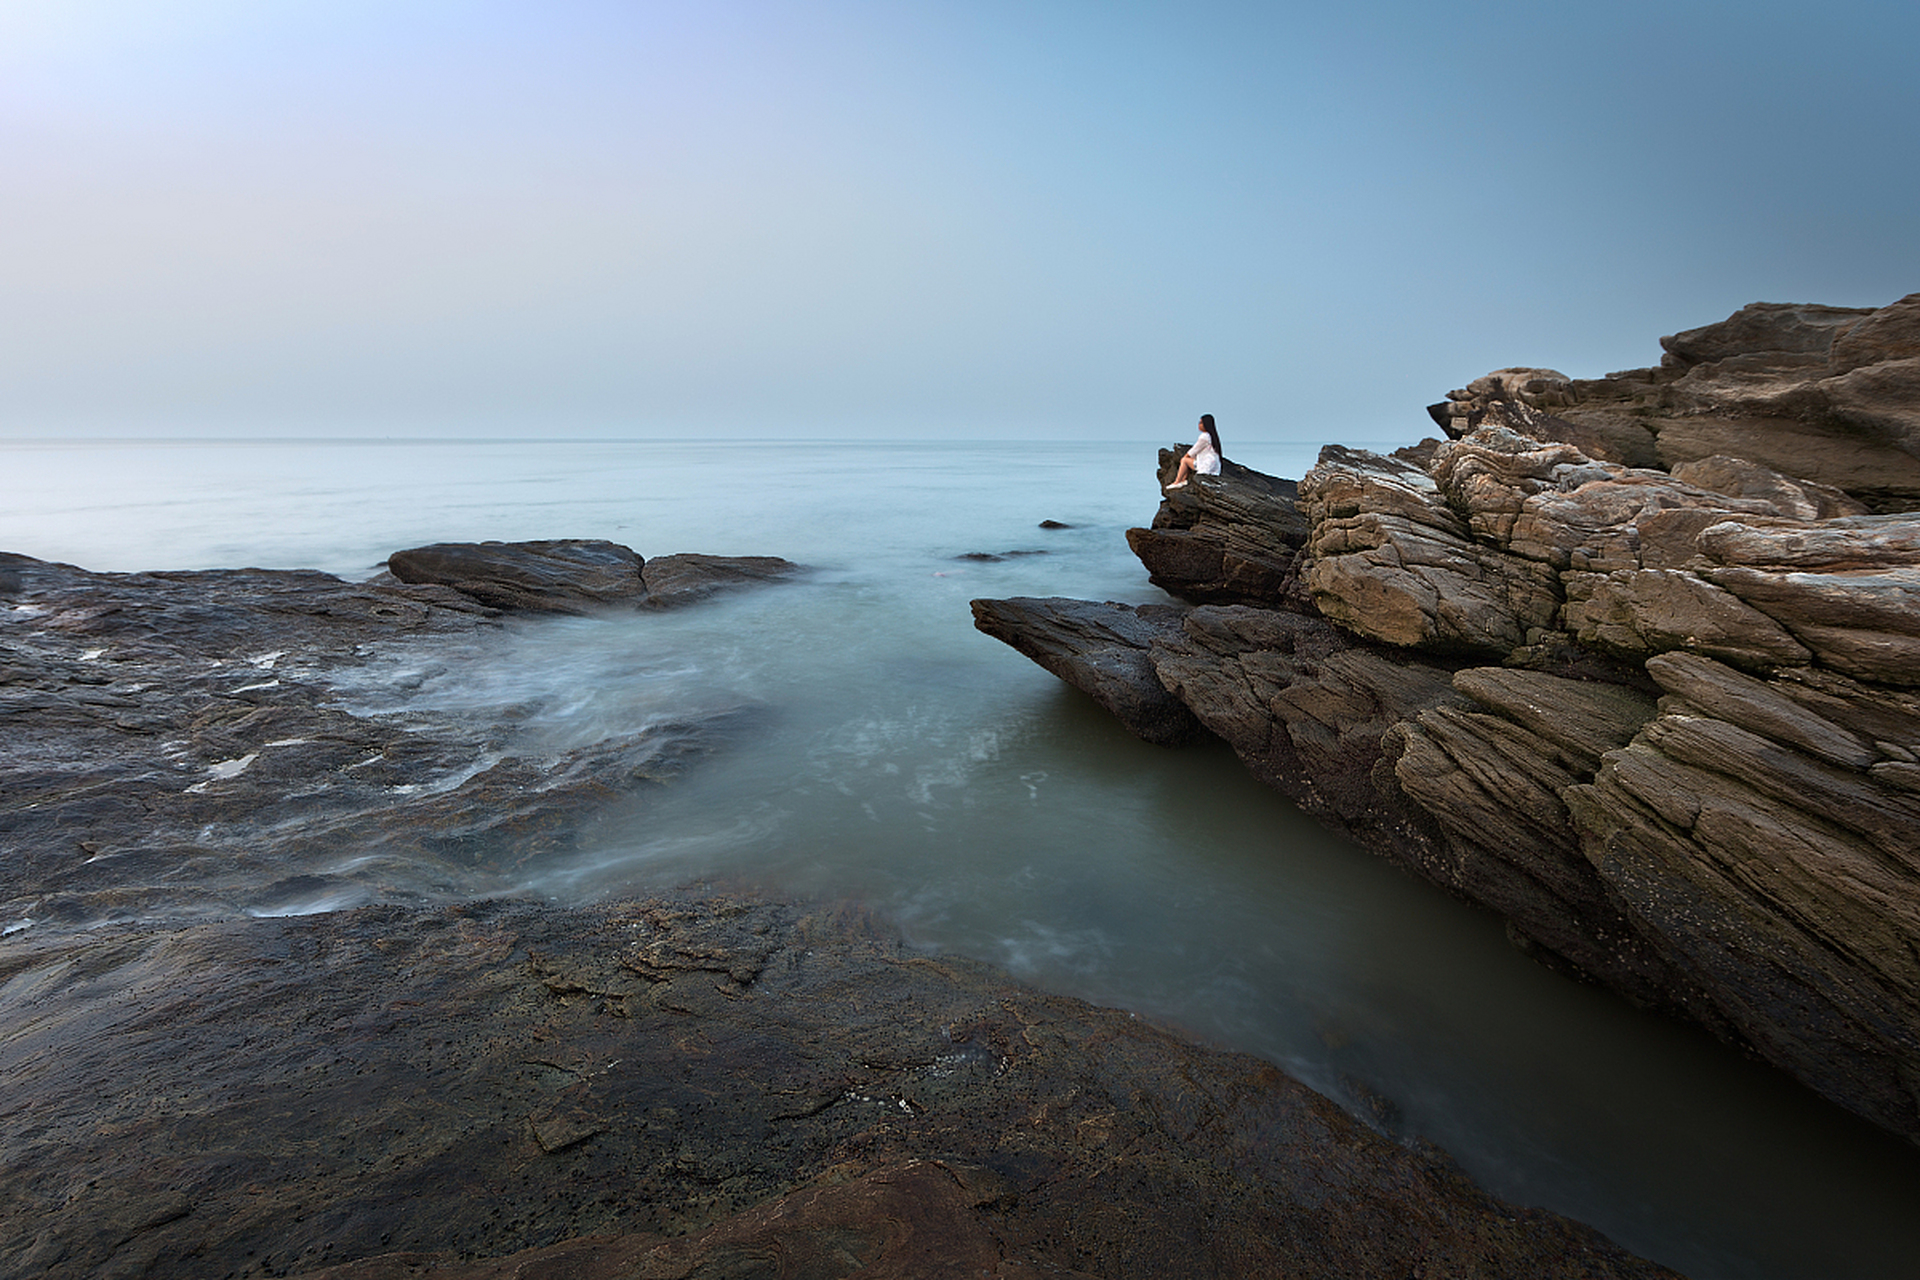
x: 1206, y: 420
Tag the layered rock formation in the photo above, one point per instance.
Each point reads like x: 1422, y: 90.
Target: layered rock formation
x: 1633, y: 662
x: 1828, y: 394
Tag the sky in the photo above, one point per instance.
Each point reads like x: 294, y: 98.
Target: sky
x: 912, y: 218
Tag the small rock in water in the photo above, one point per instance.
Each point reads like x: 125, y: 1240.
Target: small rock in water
x: 989, y: 557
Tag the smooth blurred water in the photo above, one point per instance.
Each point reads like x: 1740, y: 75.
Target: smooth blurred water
x: 905, y: 760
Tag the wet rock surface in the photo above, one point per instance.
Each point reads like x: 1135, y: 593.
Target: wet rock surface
x: 1631, y: 662
x: 688, y: 578
x: 217, y: 1064
x: 195, y: 743
x: 685, y: 1086
x: 577, y: 575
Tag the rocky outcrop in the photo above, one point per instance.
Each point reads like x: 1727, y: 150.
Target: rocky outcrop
x: 1100, y: 649
x: 1632, y: 663
x: 1746, y: 831
x: 686, y: 1086
x: 575, y: 575
x: 1390, y: 559
x: 1826, y: 394
x: 1225, y: 539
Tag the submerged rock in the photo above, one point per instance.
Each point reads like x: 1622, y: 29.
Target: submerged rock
x: 1664, y: 721
x: 677, y: 1087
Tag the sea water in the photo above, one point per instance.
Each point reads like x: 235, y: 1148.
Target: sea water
x: 899, y: 758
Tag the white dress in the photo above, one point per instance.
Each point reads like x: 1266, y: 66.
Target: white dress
x: 1206, y: 458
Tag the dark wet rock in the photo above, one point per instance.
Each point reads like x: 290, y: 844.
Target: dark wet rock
x: 1775, y: 871
x: 576, y: 575
x: 175, y: 741
x: 1452, y: 774
x: 1054, y: 524
x: 563, y: 576
x: 689, y: 578
x: 1101, y: 650
x: 1493, y: 776
x: 1305, y: 708
x: 677, y: 1087
x: 1664, y: 721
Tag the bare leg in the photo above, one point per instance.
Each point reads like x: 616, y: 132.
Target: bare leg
x: 1180, y: 476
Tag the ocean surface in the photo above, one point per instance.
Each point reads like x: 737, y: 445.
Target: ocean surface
x: 910, y: 763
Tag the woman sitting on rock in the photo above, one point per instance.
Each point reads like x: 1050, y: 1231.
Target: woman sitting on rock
x: 1203, y: 458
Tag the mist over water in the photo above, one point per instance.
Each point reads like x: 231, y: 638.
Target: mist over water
x: 880, y: 749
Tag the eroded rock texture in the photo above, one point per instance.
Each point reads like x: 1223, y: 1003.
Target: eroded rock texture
x: 1223, y: 539
x: 1824, y: 394
x: 1633, y: 662
x: 675, y: 1088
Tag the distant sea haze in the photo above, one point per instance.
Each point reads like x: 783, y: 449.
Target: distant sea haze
x: 902, y: 759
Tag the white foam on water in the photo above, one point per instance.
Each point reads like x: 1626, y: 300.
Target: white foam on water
x: 337, y: 900
x: 224, y: 770
x: 452, y: 780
